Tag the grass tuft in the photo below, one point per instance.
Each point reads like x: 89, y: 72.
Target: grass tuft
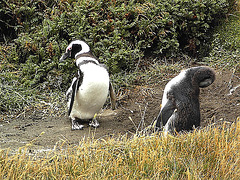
x: 209, y: 153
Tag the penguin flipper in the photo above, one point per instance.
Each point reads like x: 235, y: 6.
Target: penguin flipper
x: 113, y: 98
x: 74, y: 91
x: 165, y: 113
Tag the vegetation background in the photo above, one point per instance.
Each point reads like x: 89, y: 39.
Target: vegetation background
x: 128, y: 36
x: 123, y: 34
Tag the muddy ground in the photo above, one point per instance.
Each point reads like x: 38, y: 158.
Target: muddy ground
x: 136, y: 110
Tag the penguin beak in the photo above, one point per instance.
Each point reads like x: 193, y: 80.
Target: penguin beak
x: 64, y: 56
x: 205, y: 82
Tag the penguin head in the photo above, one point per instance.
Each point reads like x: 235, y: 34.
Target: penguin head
x: 75, y: 48
x: 203, y: 77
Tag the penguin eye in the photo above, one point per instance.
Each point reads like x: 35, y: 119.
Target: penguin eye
x: 69, y: 50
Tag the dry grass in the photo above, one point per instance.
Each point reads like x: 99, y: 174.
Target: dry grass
x: 210, y: 153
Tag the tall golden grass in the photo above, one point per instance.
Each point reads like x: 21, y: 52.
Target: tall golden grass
x: 209, y: 153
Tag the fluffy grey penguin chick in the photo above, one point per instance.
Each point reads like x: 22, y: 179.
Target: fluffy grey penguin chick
x: 89, y: 89
x: 180, y: 103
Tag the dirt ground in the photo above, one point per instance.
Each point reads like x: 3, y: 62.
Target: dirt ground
x: 136, y: 110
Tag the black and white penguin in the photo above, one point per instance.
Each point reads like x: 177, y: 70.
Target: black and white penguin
x: 89, y: 89
x: 180, y: 103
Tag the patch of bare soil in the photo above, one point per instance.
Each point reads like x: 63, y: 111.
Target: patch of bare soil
x: 137, y: 108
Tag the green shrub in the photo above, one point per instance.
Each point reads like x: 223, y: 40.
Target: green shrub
x: 225, y: 51
x: 118, y: 32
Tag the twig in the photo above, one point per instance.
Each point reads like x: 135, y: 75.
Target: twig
x: 142, y: 117
x: 233, y: 89
x: 139, y: 59
x: 132, y: 122
x: 230, y: 81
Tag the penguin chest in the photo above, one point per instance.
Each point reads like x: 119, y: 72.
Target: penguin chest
x: 92, y: 93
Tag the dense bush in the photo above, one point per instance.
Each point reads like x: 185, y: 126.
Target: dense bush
x: 225, y: 50
x: 119, y: 32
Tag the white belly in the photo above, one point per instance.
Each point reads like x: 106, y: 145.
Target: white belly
x: 92, y: 93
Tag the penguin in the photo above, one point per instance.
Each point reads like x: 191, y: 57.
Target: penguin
x: 89, y: 89
x: 180, y: 109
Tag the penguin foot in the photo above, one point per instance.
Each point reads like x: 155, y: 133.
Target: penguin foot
x: 94, y: 123
x: 76, y: 125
